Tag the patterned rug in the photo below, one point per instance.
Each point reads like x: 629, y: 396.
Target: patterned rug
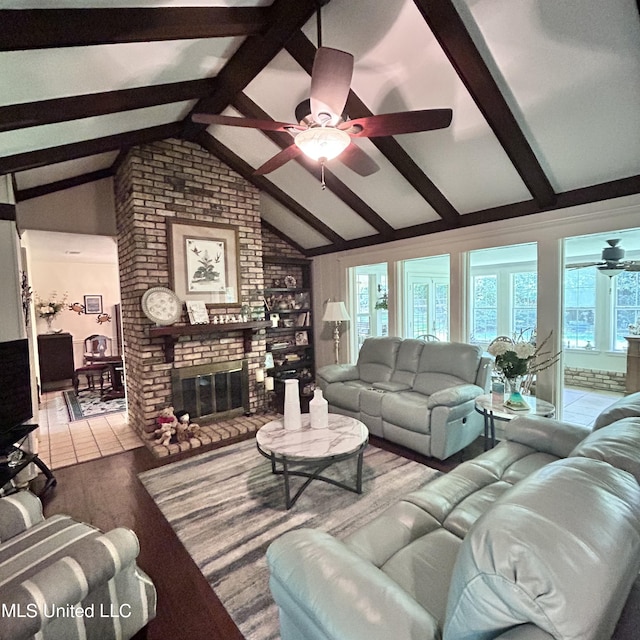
x: 227, y: 507
x: 87, y: 404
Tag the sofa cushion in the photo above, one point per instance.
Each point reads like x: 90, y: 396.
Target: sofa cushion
x: 345, y: 395
x: 408, y: 361
x: 377, y: 359
x: 560, y: 550
x: 626, y: 407
x: 407, y: 409
x: 618, y: 444
x: 453, y: 358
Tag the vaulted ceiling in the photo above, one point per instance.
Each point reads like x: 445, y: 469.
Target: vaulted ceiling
x: 545, y: 98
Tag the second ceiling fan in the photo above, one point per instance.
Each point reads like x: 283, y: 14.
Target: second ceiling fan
x: 323, y: 130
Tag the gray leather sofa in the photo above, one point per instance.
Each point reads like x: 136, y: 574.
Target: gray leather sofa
x: 538, y: 538
x: 415, y: 393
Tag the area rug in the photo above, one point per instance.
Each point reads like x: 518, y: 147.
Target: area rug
x: 88, y: 404
x: 227, y: 507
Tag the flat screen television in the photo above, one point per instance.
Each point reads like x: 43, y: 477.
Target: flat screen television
x: 15, y: 392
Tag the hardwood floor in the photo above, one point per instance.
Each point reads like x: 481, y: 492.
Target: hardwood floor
x: 107, y: 493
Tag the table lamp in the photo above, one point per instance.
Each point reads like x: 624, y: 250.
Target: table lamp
x: 336, y: 312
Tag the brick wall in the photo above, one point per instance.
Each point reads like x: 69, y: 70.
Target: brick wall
x: 595, y: 379
x: 178, y: 180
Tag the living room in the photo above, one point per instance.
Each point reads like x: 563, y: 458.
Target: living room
x: 540, y: 156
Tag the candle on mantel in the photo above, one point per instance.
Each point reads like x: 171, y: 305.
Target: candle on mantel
x: 268, y: 383
x: 259, y: 375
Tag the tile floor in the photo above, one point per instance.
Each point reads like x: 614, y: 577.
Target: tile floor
x: 582, y: 406
x: 62, y: 443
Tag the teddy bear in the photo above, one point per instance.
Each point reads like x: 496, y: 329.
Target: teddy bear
x: 186, y: 429
x: 167, y: 426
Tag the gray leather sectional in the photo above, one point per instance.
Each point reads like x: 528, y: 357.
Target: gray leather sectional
x: 538, y: 538
x: 415, y: 393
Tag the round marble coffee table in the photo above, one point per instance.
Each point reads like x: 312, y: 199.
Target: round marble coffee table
x: 311, y: 451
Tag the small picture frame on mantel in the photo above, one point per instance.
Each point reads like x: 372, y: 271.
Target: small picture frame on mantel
x: 93, y: 304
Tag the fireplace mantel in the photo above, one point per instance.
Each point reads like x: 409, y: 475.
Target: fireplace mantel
x: 172, y: 333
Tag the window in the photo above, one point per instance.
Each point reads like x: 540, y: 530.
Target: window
x: 626, y: 309
x: 425, y: 297
x: 503, y: 292
x: 484, y: 317
x: 579, y: 331
x: 369, y: 286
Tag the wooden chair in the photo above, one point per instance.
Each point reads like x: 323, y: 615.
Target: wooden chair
x: 96, y: 346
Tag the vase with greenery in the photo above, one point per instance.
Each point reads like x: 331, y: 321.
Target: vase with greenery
x: 49, y: 308
x: 518, y: 361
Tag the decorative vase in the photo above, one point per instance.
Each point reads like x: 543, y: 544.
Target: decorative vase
x: 49, y: 320
x: 515, y: 399
x: 319, y: 411
x: 292, y: 413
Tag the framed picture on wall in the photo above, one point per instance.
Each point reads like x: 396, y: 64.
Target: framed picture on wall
x: 204, y: 262
x: 93, y: 304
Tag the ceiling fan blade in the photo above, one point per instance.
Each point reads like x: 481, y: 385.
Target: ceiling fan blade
x: 288, y: 153
x: 264, y: 125
x: 582, y: 265
x: 632, y: 266
x: 391, y: 124
x: 357, y: 160
x: 330, y: 83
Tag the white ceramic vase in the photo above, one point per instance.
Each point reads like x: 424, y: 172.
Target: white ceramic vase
x: 319, y: 411
x: 292, y: 414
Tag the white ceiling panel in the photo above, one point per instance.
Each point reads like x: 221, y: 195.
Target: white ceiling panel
x: 41, y: 74
x: 281, y: 218
x: 63, y: 170
x: 60, y: 133
x: 576, y: 58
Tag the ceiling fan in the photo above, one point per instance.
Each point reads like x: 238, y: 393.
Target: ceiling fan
x: 323, y: 131
x: 612, y: 261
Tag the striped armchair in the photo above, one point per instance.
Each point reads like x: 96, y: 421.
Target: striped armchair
x: 65, y: 579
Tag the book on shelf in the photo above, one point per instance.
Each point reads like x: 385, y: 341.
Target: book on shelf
x: 303, y: 319
x: 197, y: 311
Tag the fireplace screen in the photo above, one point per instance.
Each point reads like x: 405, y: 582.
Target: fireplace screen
x: 212, y: 391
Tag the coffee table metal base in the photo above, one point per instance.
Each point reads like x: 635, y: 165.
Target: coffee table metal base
x: 281, y: 465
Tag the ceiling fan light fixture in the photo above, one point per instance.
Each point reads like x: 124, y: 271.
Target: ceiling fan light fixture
x: 610, y: 271
x: 322, y: 143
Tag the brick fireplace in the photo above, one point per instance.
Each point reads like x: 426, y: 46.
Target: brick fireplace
x: 167, y: 180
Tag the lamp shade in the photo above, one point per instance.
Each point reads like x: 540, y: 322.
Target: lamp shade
x: 335, y: 312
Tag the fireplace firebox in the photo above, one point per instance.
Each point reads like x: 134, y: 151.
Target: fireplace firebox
x: 212, y: 392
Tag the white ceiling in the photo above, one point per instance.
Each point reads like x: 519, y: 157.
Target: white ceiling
x: 567, y: 71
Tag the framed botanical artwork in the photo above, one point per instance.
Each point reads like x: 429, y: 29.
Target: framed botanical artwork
x: 204, y: 262
x: 93, y: 304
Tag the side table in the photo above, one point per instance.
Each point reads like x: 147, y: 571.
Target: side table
x: 492, y: 411
x: 9, y: 471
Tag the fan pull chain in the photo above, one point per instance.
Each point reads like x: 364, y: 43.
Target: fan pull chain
x: 324, y: 186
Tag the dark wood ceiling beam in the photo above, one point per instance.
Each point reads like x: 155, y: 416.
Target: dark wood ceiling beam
x: 62, y: 153
x: 47, y: 28
x: 61, y: 185
x: 448, y: 28
x: 225, y: 154
x: 576, y: 197
x: 33, y: 114
x: 303, y: 51
x: 250, y: 109
x: 254, y: 54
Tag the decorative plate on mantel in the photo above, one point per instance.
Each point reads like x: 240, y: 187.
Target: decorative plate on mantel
x: 161, y: 305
